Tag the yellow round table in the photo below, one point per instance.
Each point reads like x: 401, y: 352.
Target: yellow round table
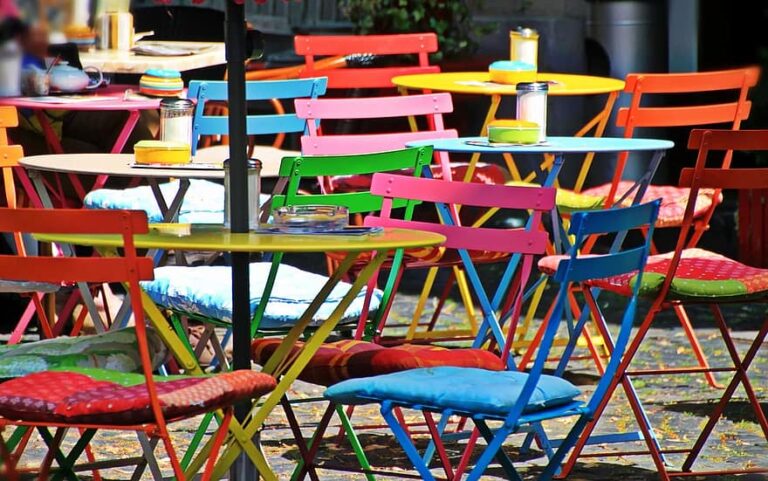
x: 283, y: 364
x: 560, y: 84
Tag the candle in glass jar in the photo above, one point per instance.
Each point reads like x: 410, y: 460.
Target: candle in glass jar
x: 532, y: 105
x: 176, y: 120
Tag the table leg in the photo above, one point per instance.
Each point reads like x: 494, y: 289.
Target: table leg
x: 599, y: 122
x: 85, y: 291
x: 122, y: 138
x: 277, y: 364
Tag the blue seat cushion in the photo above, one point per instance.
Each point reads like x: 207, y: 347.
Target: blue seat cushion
x: 203, y: 203
x: 207, y: 291
x: 462, y: 389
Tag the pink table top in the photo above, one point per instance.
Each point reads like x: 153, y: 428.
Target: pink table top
x: 109, y: 98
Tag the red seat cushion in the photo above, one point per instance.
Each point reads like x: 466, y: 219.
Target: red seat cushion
x: 701, y: 274
x: 337, y: 361
x: 113, y: 398
x: 484, y: 173
x: 673, y: 200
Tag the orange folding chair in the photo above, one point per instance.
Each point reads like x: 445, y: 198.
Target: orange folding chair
x: 674, y: 198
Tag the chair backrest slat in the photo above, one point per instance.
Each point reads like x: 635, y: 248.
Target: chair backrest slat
x: 74, y: 221
x: 207, y: 91
x: 604, y: 266
x: 465, y: 193
x: 678, y: 83
x: 419, y: 44
x: 298, y: 168
x: 526, y: 241
x: 364, y: 143
x: 374, y: 107
x: 685, y: 116
x: 728, y: 139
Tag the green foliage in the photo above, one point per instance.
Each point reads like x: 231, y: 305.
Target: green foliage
x: 451, y: 20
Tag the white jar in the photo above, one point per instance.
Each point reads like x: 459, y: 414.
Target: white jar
x: 176, y: 120
x: 10, y: 69
x: 532, y: 105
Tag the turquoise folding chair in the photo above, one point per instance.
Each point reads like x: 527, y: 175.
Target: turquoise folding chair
x: 201, y: 201
x: 518, y: 400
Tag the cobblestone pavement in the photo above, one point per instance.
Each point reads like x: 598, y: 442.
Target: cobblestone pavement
x: 676, y: 405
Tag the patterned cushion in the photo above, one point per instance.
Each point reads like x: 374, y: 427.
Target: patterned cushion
x: 568, y: 200
x: 26, y: 287
x: 673, y: 200
x: 460, y: 389
x: 341, y: 360
x: 76, y: 397
x: 701, y: 274
x: 484, y: 173
x: 116, y: 350
x: 203, y: 203
x: 207, y: 291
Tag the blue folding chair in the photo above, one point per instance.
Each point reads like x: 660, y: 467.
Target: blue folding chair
x: 519, y: 400
x: 201, y: 201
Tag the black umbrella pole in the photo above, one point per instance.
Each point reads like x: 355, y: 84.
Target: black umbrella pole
x: 241, y: 316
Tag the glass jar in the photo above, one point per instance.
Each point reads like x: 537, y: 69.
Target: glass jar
x: 254, y: 192
x: 176, y: 120
x: 524, y: 46
x: 532, y: 105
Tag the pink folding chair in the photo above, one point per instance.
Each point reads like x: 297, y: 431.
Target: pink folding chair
x: 428, y: 106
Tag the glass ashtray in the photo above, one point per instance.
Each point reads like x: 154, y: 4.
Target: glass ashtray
x: 310, y: 218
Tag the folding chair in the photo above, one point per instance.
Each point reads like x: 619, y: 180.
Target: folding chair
x: 92, y: 399
x: 311, y: 46
x: 694, y: 275
x: 431, y: 107
x: 200, y: 201
x: 343, y: 360
x: 708, y: 108
x: 519, y: 401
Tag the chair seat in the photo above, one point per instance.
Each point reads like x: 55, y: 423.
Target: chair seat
x: 673, y: 200
x: 484, y: 173
x: 568, y: 200
x: 207, y: 291
x: 466, y: 390
x: 110, y: 350
x: 428, y: 257
x: 348, y: 359
x: 203, y: 203
x: 113, y: 398
x: 701, y: 274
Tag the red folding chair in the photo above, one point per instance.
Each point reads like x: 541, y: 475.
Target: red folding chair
x: 100, y: 399
x: 693, y: 275
x: 311, y: 46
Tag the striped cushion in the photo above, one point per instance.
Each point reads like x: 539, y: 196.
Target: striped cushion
x: 348, y: 359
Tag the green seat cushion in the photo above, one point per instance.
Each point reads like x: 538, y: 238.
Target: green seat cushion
x: 115, y: 350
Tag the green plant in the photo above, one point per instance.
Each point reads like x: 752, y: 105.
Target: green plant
x: 451, y: 20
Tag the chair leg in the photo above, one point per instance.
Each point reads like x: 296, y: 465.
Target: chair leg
x: 301, y: 443
x: 405, y: 442
x: 7, y: 459
x: 740, y: 377
x: 148, y: 450
x: 423, y: 297
x: 493, y: 451
x: 302, y: 467
x: 698, y: 351
x: 221, y: 436
x: 437, y: 443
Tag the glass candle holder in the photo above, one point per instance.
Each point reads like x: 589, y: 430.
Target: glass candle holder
x: 524, y: 46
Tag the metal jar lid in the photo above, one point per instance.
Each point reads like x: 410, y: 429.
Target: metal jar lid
x: 176, y: 103
x: 252, y: 164
x: 526, y: 32
x: 532, y: 87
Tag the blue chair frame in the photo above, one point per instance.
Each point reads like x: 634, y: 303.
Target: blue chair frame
x: 571, y: 270
x: 204, y: 91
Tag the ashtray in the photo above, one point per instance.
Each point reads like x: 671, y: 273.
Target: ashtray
x: 310, y: 218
